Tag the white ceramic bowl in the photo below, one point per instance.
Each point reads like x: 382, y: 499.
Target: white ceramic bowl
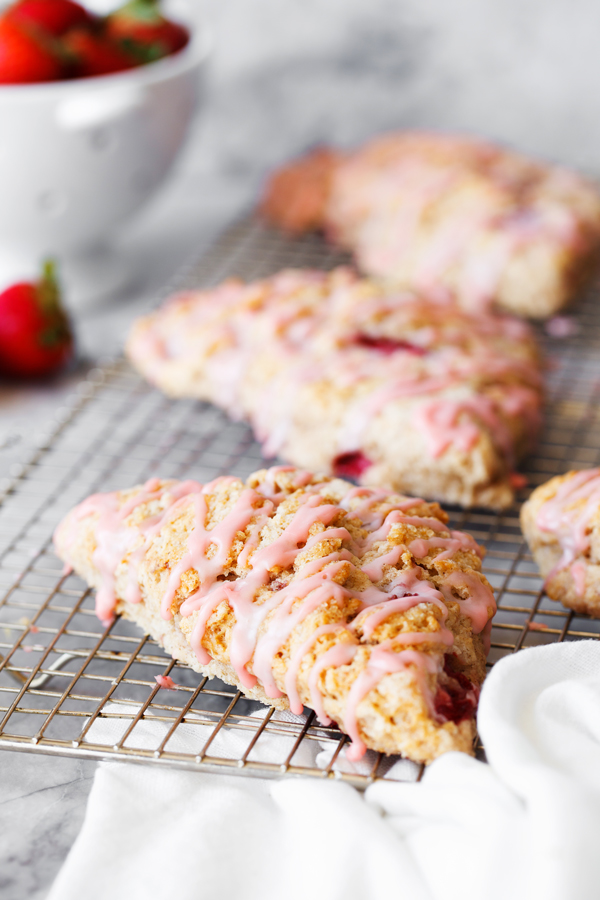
x: 78, y: 158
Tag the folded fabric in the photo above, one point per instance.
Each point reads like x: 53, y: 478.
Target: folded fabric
x: 523, y: 826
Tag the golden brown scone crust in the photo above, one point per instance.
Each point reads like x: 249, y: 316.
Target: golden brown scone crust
x: 408, y: 711
x: 330, y: 368
x: 434, y: 211
x: 572, y: 580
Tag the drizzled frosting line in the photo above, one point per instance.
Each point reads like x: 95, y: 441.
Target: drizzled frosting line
x: 567, y: 515
x: 265, y: 622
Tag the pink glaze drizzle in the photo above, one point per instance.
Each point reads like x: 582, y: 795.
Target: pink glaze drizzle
x: 383, y: 661
x: 112, y: 541
x: 480, y: 600
x: 291, y: 676
x: 265, y: 615
x: 166, y: 682
x: 338, y: 655
x: 567, y: 516
x: 407, y: 590
x: 458, y: 540
x: 309, y: 320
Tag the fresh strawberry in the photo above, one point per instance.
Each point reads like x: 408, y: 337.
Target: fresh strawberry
x: 144, y: 31
x: 93, y: 54
x: 54, y: 17
x: 25, y: 56
x: 35, y: 336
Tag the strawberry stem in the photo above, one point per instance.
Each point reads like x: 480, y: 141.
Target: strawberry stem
x: 48, y: 289
x: 140, y: 11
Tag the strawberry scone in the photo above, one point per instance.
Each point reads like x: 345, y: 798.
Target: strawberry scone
x: 341, y: 375
x: 449, y: 214
x: 358, y: 603
x: 561, y: 523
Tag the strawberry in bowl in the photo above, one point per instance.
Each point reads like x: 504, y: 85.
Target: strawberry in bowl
x: 141, y: 27
x: 26, y: 56
x: 53, y: 17
x: 54, y: 40
x: 94, y: 111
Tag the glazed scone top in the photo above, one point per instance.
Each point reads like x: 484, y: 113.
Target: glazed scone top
x: 419, y: 205
x: 379, y: 342
x: 276, y: 548
x: 493, y: 185
x: 570, y: 514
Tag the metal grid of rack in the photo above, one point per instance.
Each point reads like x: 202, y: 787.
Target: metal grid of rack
x: 70, y: 686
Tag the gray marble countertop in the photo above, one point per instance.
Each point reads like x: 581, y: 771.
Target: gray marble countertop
x: 286, y: 76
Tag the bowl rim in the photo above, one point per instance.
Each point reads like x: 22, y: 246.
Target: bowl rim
x: 195, y: 53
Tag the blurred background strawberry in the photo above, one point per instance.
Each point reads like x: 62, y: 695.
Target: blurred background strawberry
x: 52, y: 16
x: 35, y: 333
x: 27, y: 55
x: 140, y: 27
x: 50, y: 40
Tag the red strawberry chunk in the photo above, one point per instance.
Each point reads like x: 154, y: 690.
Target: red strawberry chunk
x: 456, y: 699
x: 387, y: 346
x: 351, y: 465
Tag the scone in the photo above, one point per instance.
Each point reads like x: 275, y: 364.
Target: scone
x: 301, y: 590
x: 561, y: 523
x: 442, y: 213
x: 341, y: 375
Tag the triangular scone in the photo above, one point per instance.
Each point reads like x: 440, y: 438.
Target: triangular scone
x: 442, y: 212
x: 301, y: 590
x: 342, y: 375
x: 561, y: 523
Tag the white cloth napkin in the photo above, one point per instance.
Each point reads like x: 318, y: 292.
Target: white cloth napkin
x: 526, y: 825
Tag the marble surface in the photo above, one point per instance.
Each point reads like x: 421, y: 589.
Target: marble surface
x: 286, y: 76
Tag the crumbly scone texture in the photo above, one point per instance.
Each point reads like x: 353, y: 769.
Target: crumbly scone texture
x: 579, y: 591
x: 344, y: 375
x: 421, y: 708
x: 442, y: 213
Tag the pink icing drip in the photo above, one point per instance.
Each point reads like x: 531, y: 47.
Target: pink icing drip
x: 338, y: 655
x: 150, y: 528
x: 360, y: 416
x: 166, y: 682
x: 382, y: 662
x: 486, y: 637
x: 567, y: 515
x: 476, y: 606
x: 332, y: 534
x: 406, y: 591
x: 364, y: 511
x: 314, y: 592
x: 221, y: 537
x: 450, y: 423
x: 394, y: 517
x: 374, y: 569
x: 253, y: 539
x: 240, y: 594
x: 112, y: 541
x: 284, y: 550
x: 578, y: 572
x: 381, y: 194
x: 314, y: 586
x: 291, y: 675
x: 457, y: 541
x: 268, y: 489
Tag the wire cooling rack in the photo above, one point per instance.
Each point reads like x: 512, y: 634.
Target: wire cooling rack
x: 70, y: 686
